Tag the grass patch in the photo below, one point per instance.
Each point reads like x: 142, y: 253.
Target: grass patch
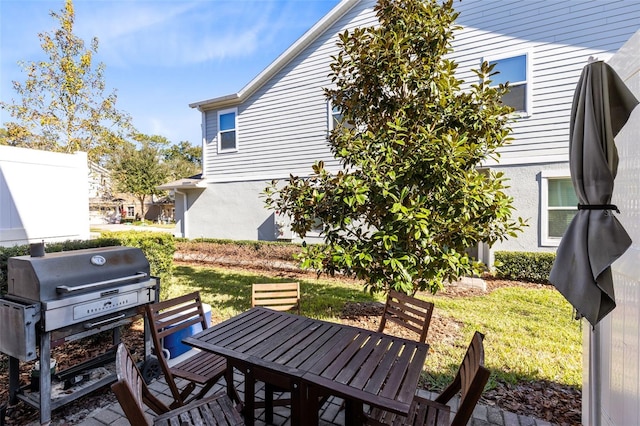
x: 230, y: 292
x: 530, y: 333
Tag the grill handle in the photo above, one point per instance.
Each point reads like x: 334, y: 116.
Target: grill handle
x: 93, y: 286
x: 95, y: 324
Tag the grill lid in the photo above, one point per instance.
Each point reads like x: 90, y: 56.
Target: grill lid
x: 59, y: 275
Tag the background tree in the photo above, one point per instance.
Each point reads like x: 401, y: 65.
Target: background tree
x: 63, y: 104
x: 138, y: 170
x: 183, y: 160
x: 411, y: 199
x: 4, y: 140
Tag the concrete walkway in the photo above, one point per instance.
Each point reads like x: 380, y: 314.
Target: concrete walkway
x: 332, y: 413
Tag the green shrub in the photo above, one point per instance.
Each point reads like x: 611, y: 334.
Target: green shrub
x: 158, y: 247
x: 524, y: 266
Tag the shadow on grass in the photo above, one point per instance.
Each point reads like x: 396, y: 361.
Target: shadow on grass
x: 231, y: 291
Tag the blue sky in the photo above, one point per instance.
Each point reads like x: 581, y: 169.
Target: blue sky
x: 162, y: 55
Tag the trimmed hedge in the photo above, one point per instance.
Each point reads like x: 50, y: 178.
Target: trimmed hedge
x: 158, y: 247
x: 524, y: 266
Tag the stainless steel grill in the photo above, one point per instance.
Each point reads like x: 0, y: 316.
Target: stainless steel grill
x: 60, y: 297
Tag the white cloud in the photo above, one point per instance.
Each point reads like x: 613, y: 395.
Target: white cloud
x: 178, y: 33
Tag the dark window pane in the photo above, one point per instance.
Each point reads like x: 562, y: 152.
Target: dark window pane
x: 516, y: 98
x: 227, y: 140
x: 559, y: 221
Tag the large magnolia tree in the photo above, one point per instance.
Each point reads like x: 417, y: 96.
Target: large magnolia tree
x: 63, y: 105
x: 412, y: 198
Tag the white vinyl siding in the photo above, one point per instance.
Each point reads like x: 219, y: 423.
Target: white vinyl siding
x: 560, y: 37
x: 284, y: 123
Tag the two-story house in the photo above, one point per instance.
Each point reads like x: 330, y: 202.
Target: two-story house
x: 277, y: 124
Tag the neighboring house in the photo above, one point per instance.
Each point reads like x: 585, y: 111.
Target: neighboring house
x: 106, y: 206
x: 277, y: 124
x: 43, y: 196
x: 103, y: 206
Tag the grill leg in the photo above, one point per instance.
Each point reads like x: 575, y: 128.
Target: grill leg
x: 116, y: 336
x: 45, y: 378
x: 14, y: 379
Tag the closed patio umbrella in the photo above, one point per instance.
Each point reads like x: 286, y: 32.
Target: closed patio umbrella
x: 602, y: 104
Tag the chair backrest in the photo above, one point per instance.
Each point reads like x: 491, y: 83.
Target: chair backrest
x: 409, y: 312
x: 278, y: 296
x: 470, y: 380
x: 169, y: 317
x: 132, y: 391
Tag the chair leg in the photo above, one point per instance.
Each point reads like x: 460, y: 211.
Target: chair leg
x: 231, y: 387
x: 268, y: 403
x: 249, y: 397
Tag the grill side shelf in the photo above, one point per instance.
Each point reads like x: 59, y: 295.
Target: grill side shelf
x: 18, y: 331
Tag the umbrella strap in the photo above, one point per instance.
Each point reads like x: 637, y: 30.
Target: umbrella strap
x: 598, y: 207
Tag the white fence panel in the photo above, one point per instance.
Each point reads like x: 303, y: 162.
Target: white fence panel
x: 43, y: 196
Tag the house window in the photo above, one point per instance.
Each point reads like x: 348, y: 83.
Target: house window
x: 559, y: 205
x: 336, y: 117
x: 515, y: 70
x: 131, y: 211
x: 227, y: 134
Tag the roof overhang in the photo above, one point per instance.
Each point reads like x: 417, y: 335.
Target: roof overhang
x: 320, y: 27
x: 186, y: 183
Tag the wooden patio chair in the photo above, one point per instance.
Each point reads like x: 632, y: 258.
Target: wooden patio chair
x: 280, y: 297
x: 469, y: 382
x: 132, y: 393
x: 203, y: 369
x: 409, y: 312
x: 277, y: 296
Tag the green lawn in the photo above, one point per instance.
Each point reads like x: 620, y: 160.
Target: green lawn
x: 530, y: 333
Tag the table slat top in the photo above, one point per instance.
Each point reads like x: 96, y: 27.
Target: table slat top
x: 372, y: 367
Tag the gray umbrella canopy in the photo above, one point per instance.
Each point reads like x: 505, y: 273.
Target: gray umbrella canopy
x: 601, y: 106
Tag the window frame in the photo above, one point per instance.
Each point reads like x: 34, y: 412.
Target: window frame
x: 331, y: 116
x: 545, y: 177
x: 528, y: 82
x: 235, y: 129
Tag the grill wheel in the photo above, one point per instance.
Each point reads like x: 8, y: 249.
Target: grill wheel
x: 151, y: 370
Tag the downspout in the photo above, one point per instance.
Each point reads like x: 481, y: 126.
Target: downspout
x: 184, y: 212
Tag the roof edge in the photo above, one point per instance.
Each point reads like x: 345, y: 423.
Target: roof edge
x: 300, y: 44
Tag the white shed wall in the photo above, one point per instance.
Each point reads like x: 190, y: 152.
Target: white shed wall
x: 618, y: 335
x: 43, y: 196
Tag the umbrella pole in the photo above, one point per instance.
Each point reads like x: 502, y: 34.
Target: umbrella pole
x: 595, y: 366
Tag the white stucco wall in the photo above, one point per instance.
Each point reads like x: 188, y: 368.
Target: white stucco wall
x: 229, y: 211
x: 524, y: 186
x: 43, y: 196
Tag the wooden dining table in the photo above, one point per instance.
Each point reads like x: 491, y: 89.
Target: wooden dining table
x: 315, y: 359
